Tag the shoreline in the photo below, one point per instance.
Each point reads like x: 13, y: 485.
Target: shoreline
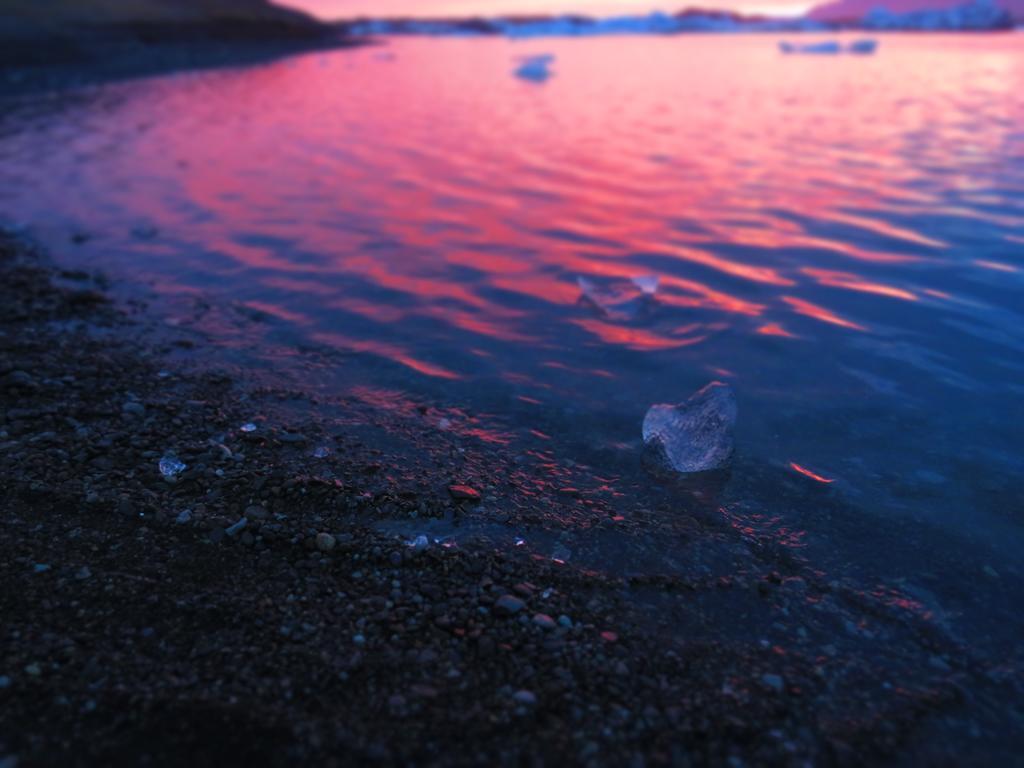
x: 148, y: 51
x: 250, y: 608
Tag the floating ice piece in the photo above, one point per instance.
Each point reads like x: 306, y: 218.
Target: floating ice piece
x: 248, y: 427
x: 825, y: 47
x: 536, y: 69
x: 863, y: 47
x: 619, y: 299
x: 648, y: 284
x: 694, y: 436
x: 171, y: 467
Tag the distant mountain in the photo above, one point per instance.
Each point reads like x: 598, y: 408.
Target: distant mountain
x: 38, y: 32
x: 34, y: 19
x: 855, y: 10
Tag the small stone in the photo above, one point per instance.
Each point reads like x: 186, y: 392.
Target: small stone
x: 34, y: 670
x: 774, y: 682
x: 5, y: 681
x: 544, y: 621
x: 132, y: 408
x: 41, y: 567
x: 83, y: 573
x: 609, y: 637
x: 256, y: 512
x: 236, y: 528
x: 359, y: 640
x: 325, y: 542
x: 396, y: 704
x: 507, y: 605
x: 395, y: 558
x: 464, y: 492
x: 565, y: 621
x: 184, y: 517
x: 20, y: 379
x: 248, y: 427
x: 526, y: 698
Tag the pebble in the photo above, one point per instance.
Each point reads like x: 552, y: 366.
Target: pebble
x: 4, y: 681
x: 33, y: 670
x: 325, y: 542
x: 464, y: 492
x: 184, y: 517
x: 19, y: 379
x: 236, y: 528
x: 565, y: 621
x: 527, y: 698
x: 41, y: 568
x: 544, y: 621
x: 508, y: 605
x: 774, y: 682
x: 359, y: 640
x: 83, y: 573
x: 256, y: 512
x: 132, y: 408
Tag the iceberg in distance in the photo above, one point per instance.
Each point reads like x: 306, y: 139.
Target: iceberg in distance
x: 536, y: 69
x: 863, y: 47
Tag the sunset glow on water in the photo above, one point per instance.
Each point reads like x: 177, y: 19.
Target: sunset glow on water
x: 839, y: 238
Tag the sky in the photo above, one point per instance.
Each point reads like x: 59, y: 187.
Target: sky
x: 337, y: 9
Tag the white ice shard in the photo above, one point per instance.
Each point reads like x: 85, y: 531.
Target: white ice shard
x: 694, y: 436
x: 619, y: 298
x: 648, y: 284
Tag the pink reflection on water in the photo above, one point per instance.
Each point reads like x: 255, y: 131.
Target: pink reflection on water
x: 433, y: 209
x: 803, y: 307
x: 810, y: 473
x: 836, y: 279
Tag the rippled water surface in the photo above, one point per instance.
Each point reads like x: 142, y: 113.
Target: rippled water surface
x: 840, y: 238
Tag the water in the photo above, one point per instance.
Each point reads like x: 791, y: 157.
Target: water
x: 839, y: 239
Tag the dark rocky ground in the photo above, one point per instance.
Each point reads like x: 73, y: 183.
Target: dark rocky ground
x: 30, y: 66
x: 253, y: 611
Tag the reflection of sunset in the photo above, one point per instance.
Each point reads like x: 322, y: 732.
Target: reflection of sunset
x: 808, y: 473
x: 441, y: 216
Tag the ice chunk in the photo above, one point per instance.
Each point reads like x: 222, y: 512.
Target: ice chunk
x: 648, y: 284
x: 863, y: 47
x: 536, y: 69
x: 170, y: 466
x: 619, y: 299
x: 694, y: 436
x: 825, y: 47
x: 418, y: 543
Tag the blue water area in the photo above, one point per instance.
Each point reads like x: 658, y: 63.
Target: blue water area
x: 838, y: 238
